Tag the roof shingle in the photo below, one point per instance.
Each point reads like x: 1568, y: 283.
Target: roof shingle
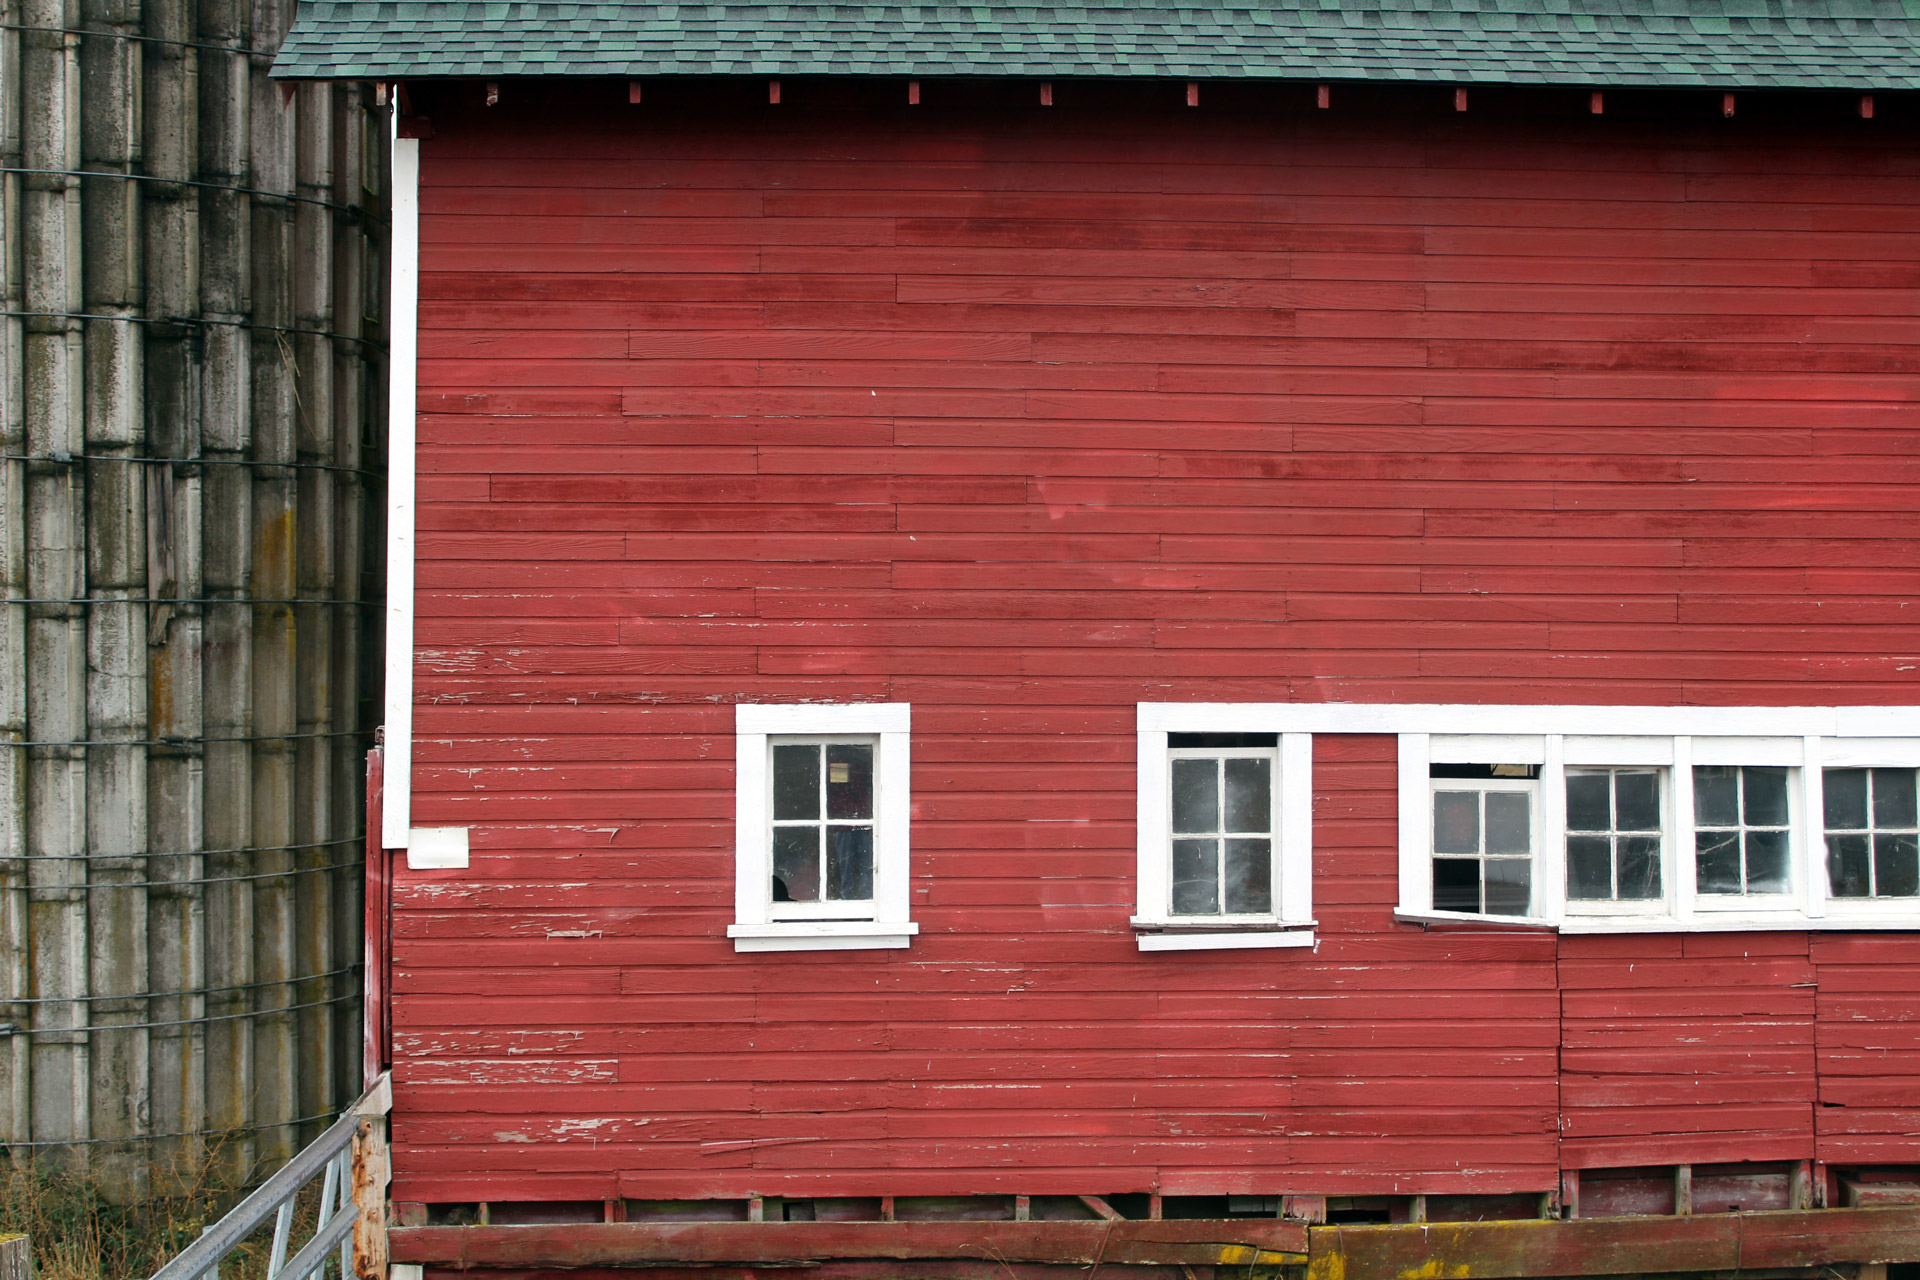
x: 1728, y: 44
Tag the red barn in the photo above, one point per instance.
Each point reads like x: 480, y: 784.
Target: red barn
x: 1042, y: 637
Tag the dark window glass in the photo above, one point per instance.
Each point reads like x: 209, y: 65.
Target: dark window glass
x: 1589, y: 806
x: 1196, y: 795
x: 1765, y: 796
x: 1846, y: 799
x: 1896, y: 874
x: 1717, y: 861
x: 796, y: 864
x: 1636, y: 800
x: 849, y: 780
x: 1767, y: 862
x: 1456, y: 822
x: 1249, y: 876
x: 1196, y: 885
x: 1639, y: 867
x: 1589, y: 867
x: 1456, y: 884
x: 1893, y: 798
x: 1716, y: 795
x: 796, y: 783
x: 1509, y: 822
x: 1848, y: 868
x: 1179, y: 740
x: 1509, y: 886
x: 1249, y: 794
x: 849, y: 863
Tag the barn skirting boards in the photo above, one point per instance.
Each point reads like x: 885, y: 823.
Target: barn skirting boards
x: 1855, y: 1241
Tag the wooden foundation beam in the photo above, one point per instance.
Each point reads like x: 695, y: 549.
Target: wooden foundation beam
x: 1720, y: 1242
x: 1254, y: 1242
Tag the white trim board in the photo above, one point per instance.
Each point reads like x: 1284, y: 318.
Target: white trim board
x: 754, y: 927
x: 1470, y: 718
x: 396, y: 812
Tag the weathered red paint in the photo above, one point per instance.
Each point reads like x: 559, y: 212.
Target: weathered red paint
x: 1239, y: 1243
x: 1721, y: 1243
x: 1024, y: 417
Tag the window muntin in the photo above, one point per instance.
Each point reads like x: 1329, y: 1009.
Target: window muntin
x: 1615, y: 838
x: 1743, y: 830
x: 1872, y: 827
x: 1221, y: 831
x: 1233, y: 867
x: 1483, y: 845
x: 822, y: 826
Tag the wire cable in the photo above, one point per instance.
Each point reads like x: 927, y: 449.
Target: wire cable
x: 187, y: 994
x: 185, y: 1133
x: 358, y: 211
x: 63, y: 458
x: 88, y: 886
x: 181, y: 1022
x: 145, y: 39
x: 193, y: 320
x: 196, y: 740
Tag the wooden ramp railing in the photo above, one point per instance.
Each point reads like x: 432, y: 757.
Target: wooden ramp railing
x: 350, y: 1159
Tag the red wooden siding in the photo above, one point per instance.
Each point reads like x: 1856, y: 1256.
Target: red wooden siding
x: 1024, y: 418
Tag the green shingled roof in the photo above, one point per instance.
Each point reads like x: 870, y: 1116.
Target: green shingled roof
x: 1845, y: 44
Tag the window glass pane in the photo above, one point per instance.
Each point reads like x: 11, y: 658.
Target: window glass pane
x: 849, y: 863
x: 1509, y: 886
x: 1896, y: 874
x: 1456, y: 884
x: 1716, y: 795
x: 1587, y: 802
x: 1250, y: 875
x: 1636, y: 800
x: 849, y: 780
x: 1717, y: 861
x: 1509, y: 828
x: 1766, y: 796
x: 1893, y: 798
x: 1847, y: 866
x: 1196, y: 886
x: 1766, y: 862
x: 1639, y: 867
x: 1846, y: 799
x: 1456, y: 824
x: 1589, y: 867
x: 1196, y: 795
x: 796, y: 863
x: 1249, y: 795
x: 796, y: 782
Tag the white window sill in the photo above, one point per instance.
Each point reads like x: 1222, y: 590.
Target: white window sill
x: 1724, y: 922
x: 1704, y: 922
x: 1169, y: 936
x: 1461, y: 917
x: 820, y: 935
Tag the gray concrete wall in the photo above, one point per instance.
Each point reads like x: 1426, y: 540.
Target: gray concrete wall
x: 192, y: 407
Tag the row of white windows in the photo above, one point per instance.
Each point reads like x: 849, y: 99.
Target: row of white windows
x: 1585, y: 819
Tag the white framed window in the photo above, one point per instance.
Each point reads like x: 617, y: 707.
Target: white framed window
x: 1871, y: 821
x: 1224, y: 831
x: 1485, y: 832
x: 1743, y: 834
x: 821, y: 827
x: 1672, y: 818
x: 1617, y: 839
